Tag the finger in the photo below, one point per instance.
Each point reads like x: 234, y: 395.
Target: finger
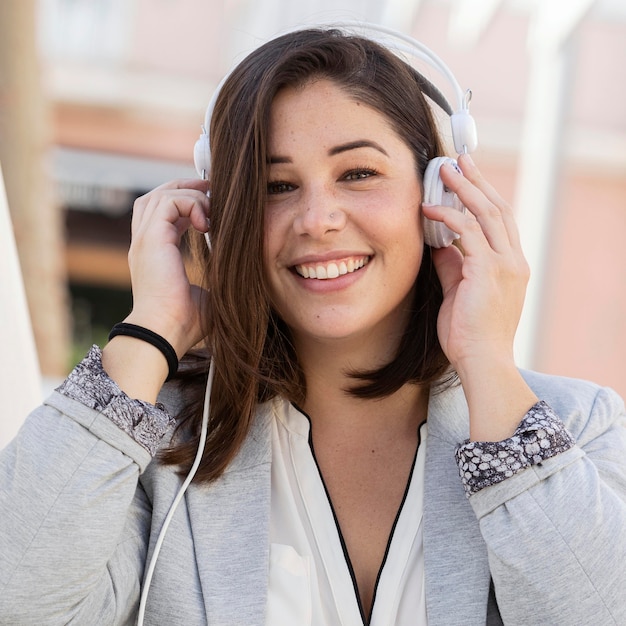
x: 143, y: 203
x: 488, y: 215
x: 485, y: 260
x: 472, y: 237
x: 449, y: 266
x: 473, y: 174
x: 178, y: 206
x: 185, y: 183
x: 194, y: 207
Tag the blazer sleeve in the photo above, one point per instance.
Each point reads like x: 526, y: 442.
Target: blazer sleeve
x: 75, y: 521
x: 556, y: 532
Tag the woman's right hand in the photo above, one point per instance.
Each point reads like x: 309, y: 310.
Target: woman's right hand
x: 163, y: 298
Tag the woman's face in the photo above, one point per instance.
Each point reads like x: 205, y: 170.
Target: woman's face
x: 343, y: 236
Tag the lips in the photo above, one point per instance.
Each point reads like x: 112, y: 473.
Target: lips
x: 331, y: 269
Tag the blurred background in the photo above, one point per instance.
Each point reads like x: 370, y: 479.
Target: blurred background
x: 102, y: 100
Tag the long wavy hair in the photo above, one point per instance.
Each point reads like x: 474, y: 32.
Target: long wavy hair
x: 251, y: 346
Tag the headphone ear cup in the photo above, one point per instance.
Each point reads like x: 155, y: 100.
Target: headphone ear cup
x: 202, y: 156
x: 437, y: 234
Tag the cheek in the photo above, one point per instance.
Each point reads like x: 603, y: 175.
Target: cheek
x: 400, y: 229
x: 272, y: 247
x: 404, y: 246
x: 269, y: 236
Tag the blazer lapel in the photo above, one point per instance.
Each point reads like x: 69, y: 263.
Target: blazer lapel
x: 230, y: 525
x: 455, y: 558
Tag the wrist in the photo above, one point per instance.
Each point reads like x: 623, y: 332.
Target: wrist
x: 126, y: 329
x: 483, y: 363
x: 138, y: 368
x: 171, y: 330
x: 497, y: 396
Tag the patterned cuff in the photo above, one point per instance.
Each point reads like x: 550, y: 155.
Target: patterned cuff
x: 540, y: 435
x: 90, y: 385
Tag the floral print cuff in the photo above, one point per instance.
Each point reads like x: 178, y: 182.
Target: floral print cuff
x: 90, y: 385
x: 540, y: 435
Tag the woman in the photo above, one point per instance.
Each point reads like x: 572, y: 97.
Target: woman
x: 353, y: 363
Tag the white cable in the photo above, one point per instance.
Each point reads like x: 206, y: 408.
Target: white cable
x: 179, y: 496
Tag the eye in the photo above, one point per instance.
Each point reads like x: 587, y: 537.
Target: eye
x: 279, y: 187
x: 360, y: 173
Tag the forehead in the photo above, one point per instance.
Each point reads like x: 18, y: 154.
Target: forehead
x: 312, y: 91
x: 319, y: 108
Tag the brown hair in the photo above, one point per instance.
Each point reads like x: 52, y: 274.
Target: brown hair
x: 254, y: 357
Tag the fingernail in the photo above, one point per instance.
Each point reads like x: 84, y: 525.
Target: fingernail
x: 452, y: 167
x: 456, y: 168
x: 468, y: 159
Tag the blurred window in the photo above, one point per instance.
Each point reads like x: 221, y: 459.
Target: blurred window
x: 86, y: 30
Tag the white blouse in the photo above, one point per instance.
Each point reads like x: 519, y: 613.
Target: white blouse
x: 309, y: 577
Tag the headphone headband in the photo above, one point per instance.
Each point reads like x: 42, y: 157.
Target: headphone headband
x: 464, y: 133
x: 399, y: 42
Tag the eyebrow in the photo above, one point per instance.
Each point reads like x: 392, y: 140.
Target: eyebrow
x: 354, y: 145
x: 344, y: 147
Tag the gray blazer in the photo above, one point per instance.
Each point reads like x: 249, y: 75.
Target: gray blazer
x: 82, y: 504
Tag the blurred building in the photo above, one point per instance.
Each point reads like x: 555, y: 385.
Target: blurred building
x: 129, y: 81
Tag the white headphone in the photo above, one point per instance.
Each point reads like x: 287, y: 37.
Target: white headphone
x: 464, y: 136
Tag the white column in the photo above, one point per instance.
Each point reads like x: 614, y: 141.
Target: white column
x: 550, y: 44
x: 536, y: 185
x: 20, y: 380
x: 399, y: 14
x: 469, y: 19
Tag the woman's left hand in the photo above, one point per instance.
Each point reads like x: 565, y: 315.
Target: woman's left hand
x: 484, y: 288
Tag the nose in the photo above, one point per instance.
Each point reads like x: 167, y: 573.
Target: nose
x: 319, y: 214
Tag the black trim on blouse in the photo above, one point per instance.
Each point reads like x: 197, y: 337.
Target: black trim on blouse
x: 366, y: 618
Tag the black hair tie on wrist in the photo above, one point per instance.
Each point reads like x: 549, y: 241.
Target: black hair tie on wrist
x: 149, y: 336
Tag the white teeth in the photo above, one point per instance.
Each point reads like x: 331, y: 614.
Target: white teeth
x: 332, y: 269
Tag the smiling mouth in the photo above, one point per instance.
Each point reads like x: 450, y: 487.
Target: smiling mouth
x: 332, y: 269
